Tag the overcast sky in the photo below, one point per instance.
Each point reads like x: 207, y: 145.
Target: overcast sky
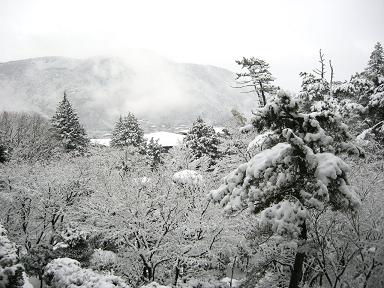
x: 286, y: 33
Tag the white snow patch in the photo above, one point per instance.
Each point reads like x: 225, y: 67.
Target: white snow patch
x: 219, y: 130
x: 235, y: 283
x: 154, y: 285
x: 166, y: 139
x: 259, y: 140
x: 101, y: 141
x: 329, y: 167
x: 189, y: 177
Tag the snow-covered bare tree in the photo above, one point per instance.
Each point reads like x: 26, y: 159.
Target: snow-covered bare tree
x: 257, y: 78
x: 296, y: 171
x: 162, y: 229
x: 26, y: 137
x: 67, y: 129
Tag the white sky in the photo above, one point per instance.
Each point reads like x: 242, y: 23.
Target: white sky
x: 286, y: 33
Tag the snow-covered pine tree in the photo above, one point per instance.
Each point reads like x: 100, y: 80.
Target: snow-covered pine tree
x: 202, y: 140
x: 313, y: 88
x: 127, y: 132
x: 375, y: 113
x: 296, y: 171
x: 257, y: 78
x: 375, y: 68
x: 372, y: 96
x: 67, y: 129
x: 117, y: 133
x: 154, y: 152
x: 318, y: 94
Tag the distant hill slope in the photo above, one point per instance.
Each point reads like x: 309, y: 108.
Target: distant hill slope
x: 100, y: 88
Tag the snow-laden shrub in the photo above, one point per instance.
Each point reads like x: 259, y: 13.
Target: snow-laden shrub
x: 103, y: 259
x: 11, y: 272
x: 67, y: 273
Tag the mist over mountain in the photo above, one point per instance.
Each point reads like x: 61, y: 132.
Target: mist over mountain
x: 158, y: 91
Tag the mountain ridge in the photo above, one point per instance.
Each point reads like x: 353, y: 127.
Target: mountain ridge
x: 100, y: 88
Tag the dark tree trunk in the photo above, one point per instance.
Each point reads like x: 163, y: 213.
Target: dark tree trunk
x: 41, y: 281
x: 297, y: 272
x: 263, y: 99
x: 147, y: 273
x: 177, y: 274
x: 233, y: 269
x: 147, y: 270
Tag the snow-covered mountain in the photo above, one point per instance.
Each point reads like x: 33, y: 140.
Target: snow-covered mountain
x: 157, y: 90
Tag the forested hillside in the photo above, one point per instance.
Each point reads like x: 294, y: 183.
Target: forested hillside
x: 157, y: 90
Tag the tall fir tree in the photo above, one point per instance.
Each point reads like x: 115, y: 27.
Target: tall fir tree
x: 375, y: 68
x: 372, y: 95
x: 154, y: 153
x: 67, y: 129
x: 202, y: 140
x: 127, y: 132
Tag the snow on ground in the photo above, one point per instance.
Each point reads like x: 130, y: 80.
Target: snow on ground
x: 188, y: 177
x: 101, y: 141
x: 218, y: 130
x: 166, y: 139
x: 155, y: 285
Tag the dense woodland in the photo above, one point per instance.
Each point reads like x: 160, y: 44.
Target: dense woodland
x: 291, y: 197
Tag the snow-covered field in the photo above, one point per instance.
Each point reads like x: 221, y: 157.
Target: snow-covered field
x: 166, y: 139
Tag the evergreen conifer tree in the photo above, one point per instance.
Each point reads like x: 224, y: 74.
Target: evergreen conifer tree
x: 67, y: 129
x: 154, y: 152
x: 373, y: 93
x: 127, y: 132
x: 375, y: 68
x: 202, y: 140
x: 296, y: 171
